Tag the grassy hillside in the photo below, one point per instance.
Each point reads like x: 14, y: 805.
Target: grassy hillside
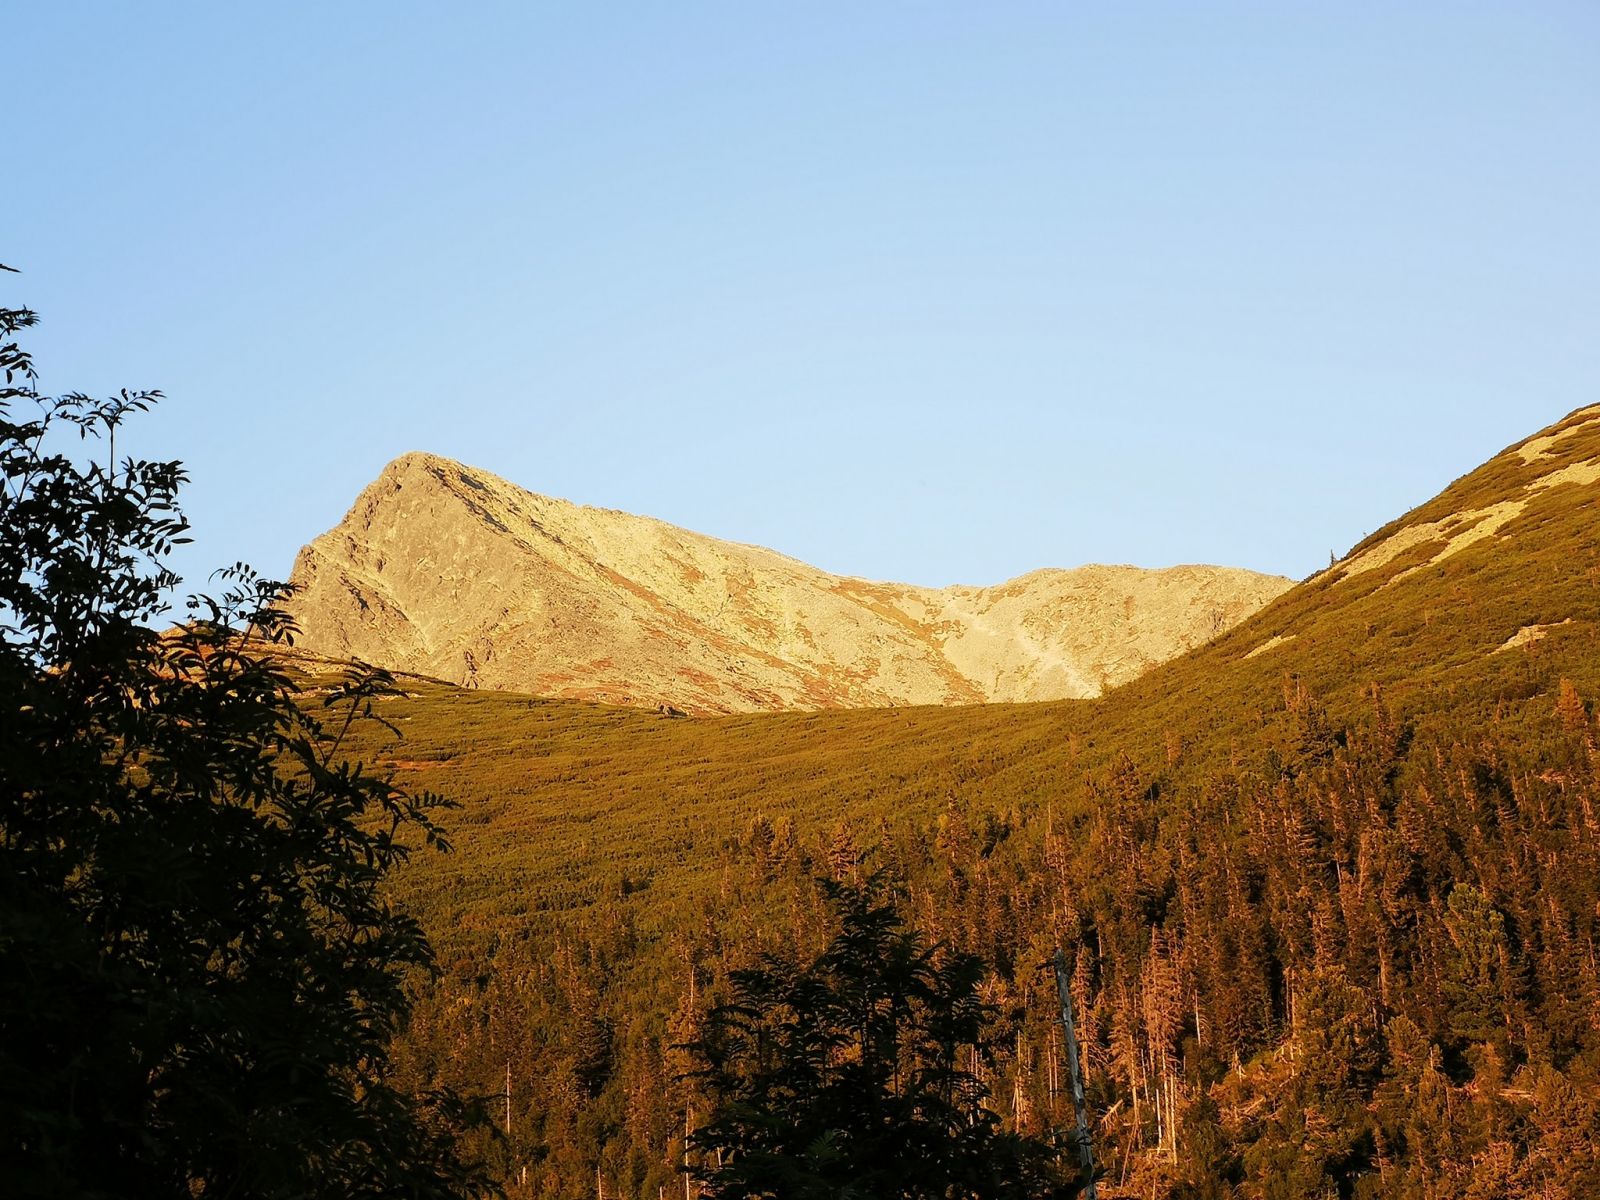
x: 611, y: 865
x: 604, y: 792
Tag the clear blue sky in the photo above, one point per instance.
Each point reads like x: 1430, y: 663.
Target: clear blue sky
x: 930, y: 292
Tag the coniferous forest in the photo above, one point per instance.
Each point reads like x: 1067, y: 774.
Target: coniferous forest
x: 1366, y: 969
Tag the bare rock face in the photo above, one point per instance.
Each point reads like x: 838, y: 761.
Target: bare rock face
x: 451, y: 572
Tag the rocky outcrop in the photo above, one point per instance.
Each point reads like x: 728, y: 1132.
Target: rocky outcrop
x: 443, y: 570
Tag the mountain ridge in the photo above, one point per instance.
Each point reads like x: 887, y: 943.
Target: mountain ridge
x: 450, y: 571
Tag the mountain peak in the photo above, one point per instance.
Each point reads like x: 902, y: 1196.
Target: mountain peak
x: 443, y: 569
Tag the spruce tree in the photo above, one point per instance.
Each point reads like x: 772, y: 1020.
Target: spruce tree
x: 850, y: 1075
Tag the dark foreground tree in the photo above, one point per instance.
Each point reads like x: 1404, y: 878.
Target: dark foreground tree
x: 845, y: 1076
x: 199, y: 973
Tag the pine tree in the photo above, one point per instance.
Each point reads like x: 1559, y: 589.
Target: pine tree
x: 851, y: 1075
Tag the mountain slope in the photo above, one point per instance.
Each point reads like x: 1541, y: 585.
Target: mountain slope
x: 1432, y: 604
x: 446, y: 571
x: 562, y: 794
x: 1240, y: 842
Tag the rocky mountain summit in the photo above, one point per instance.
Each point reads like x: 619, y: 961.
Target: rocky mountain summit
x: 443, y: 570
